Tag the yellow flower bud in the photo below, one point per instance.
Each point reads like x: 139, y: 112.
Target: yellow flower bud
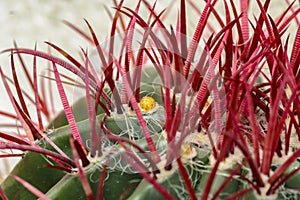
x: 147, y: 103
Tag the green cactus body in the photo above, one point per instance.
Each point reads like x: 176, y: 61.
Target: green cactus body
x: 171, y: 180
x: 121, y: 179
x: 33, y: 167
x: 292, y: 182
x: 230, y: 188
x: 116, y: 184
x: 59, y: 182
x: 126, y: 125
x: 290, y: 190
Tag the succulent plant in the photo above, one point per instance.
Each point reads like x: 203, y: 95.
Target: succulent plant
x: 163, y: 116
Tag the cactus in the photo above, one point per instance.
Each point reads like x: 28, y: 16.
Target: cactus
x: 168, y: 121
